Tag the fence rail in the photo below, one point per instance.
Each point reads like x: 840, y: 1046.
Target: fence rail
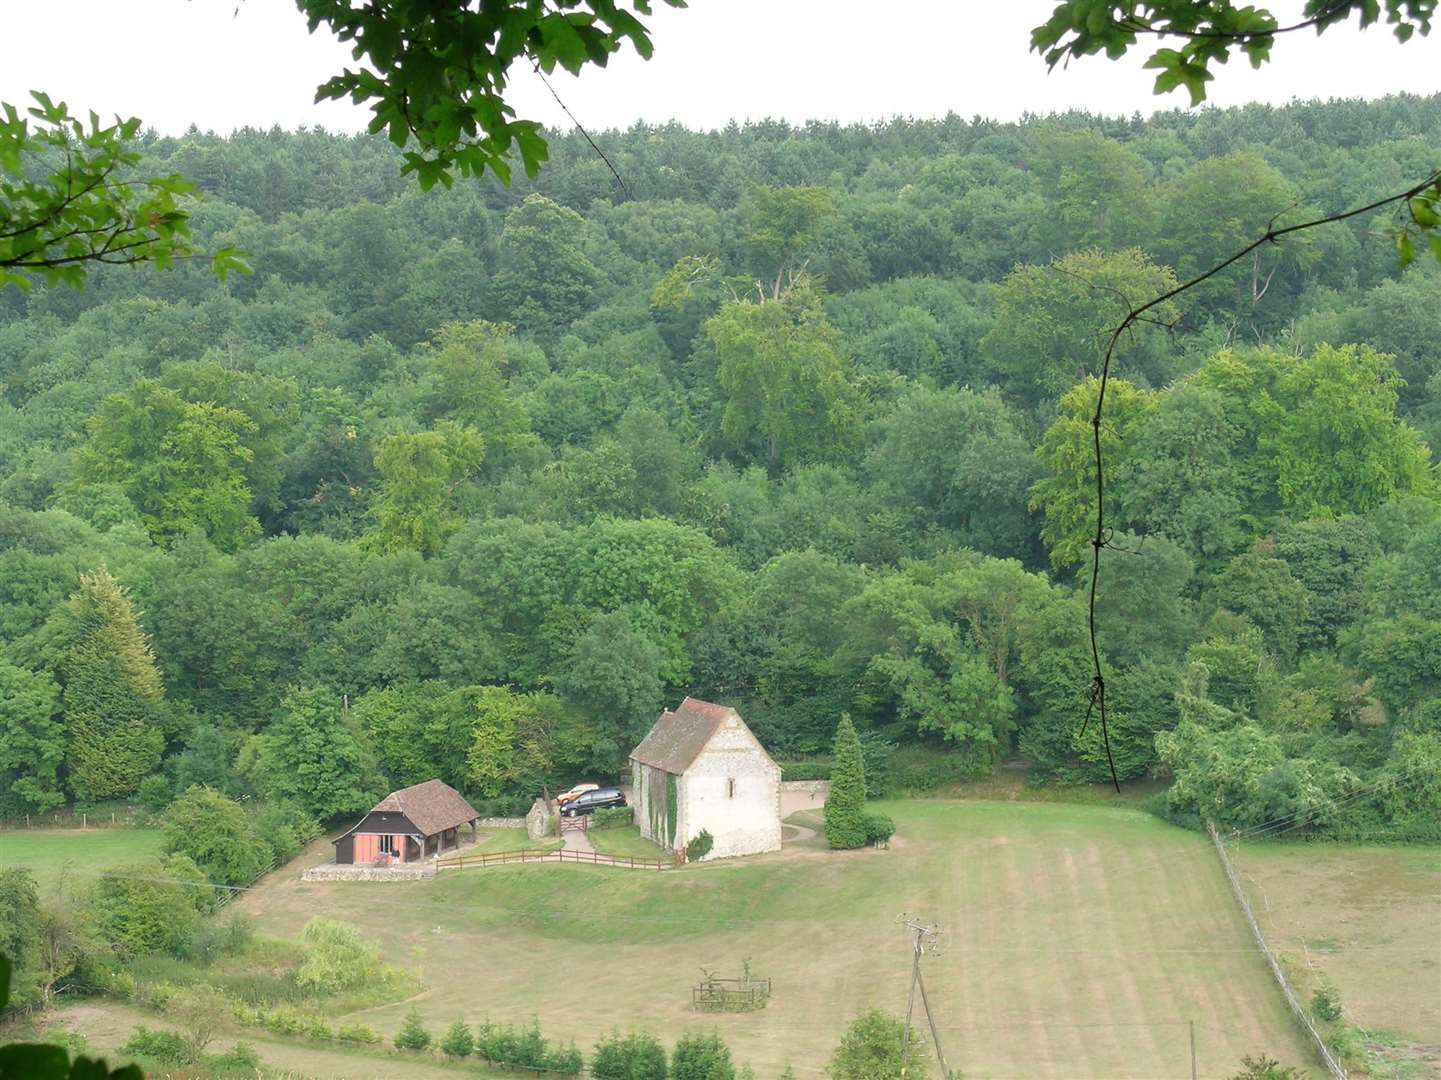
x: 530, y: 1070
x: 594, y: 858
x: 730, y: 995
x: 75, y: 819
x: 1337, y: 1070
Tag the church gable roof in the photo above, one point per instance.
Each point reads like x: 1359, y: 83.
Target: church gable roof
x: 678, y: 737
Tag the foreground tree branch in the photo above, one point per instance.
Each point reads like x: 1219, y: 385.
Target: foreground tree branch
x: 66, y: 203
x: 1422, y: 205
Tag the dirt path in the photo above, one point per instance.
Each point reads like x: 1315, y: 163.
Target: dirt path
x: 576, y: 840
x: 795, y: 833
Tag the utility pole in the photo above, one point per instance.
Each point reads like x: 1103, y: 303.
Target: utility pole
x: 925, y: 940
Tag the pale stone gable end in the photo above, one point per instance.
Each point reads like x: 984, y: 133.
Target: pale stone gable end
x: 701, y: 768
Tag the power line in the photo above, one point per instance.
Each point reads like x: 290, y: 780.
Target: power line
x: 1102, y: 537
x: 161, y: 880
x: 1278, y: 824
x: 599, y: 152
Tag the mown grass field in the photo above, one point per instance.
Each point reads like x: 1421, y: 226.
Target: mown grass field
x: 1366, y: 919
x: 1079, y: 941
x: 625, y: 843
x: 49, y: 853
x: 498, y: 840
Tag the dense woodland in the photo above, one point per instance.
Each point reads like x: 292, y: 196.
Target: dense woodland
x: 467, y: 483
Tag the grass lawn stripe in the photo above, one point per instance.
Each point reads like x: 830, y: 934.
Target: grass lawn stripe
x: 1161, y: 1034
x: 51, y: 854
x: 1076, y: 944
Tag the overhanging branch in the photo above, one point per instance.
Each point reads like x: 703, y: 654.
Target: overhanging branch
x: 1272, y: 235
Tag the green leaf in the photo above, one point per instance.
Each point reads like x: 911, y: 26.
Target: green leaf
x: 562, y: 44
x: 228, y: 259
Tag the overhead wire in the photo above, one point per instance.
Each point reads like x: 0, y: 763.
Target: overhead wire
x: 1279, y: 824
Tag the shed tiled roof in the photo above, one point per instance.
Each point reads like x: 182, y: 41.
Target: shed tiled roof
x: 678, y: 737
x: 432, y: 807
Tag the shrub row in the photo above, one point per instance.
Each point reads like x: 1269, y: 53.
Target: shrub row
x: 918, y: 770
x: 163, y: 1047
x: 614, y: 817
x: 879, y: 828
x: 167, y: 1049
x: 502, y: 1044
x: 817, y: 769
x: 498, y: 1044
x: 283, y: 1020
x: 892, y: 770
x: 280, y: 1019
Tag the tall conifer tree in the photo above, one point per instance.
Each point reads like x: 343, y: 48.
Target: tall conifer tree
x: 846, y: 804
x: 112, y: 691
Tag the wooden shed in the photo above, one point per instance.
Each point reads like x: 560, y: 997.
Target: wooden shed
x: 408, y: 825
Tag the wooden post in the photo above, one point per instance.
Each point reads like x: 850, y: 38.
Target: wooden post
x: 1193, y: 1049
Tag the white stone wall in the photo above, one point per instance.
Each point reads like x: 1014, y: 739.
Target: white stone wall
x: 347, y: 872
x: 640, y: 798
x: 732, y: 789
x: 642, y: 777
x: 818, y: 789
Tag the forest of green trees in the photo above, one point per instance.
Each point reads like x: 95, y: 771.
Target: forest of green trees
x: 468, y: 483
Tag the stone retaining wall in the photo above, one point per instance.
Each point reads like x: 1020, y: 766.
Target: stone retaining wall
x: 501, y: 823
x: 337, y: 872
x: 810, y: 787
x: 537, y: 822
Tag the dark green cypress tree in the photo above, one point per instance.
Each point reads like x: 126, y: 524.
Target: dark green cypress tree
x: 112, y: 693
x: 846, y: 804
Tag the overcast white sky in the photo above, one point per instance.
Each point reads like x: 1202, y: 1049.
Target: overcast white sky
x: 222, y: 64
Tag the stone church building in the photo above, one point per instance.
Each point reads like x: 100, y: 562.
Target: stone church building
x: 700, y: 768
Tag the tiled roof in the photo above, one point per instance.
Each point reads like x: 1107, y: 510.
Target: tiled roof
x: 678, y: 737
x: 432, y: 807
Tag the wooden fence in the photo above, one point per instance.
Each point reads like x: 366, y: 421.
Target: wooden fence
x: 525, y: 1070
x: 730, y: 995
x: 593, y: 858
x: 226, y: 894
x: 1336, y: 1069
x: 128, y: 818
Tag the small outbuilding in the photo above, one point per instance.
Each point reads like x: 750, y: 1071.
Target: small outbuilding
x: 701, y: 769
x: 406, y: 826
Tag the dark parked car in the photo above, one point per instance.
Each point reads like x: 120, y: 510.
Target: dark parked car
x: 590, y: 801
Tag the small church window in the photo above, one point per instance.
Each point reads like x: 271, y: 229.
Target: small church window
x: 731, y: 788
